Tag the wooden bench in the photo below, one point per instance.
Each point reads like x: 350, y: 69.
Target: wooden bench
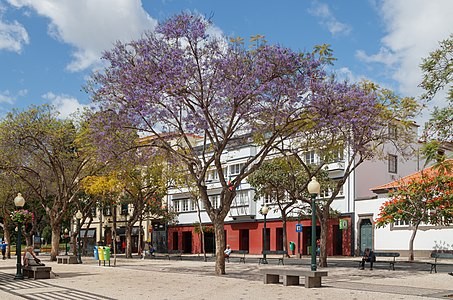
x: 37, y: 272
x: 391, y: 263
x: 174, y: 253
x: 276, y: 254
x: 442, y: 256
x: 67, y: 259
x: 238, y: 253
x: 291, y: 276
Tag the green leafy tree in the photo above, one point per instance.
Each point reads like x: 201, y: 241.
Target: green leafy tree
x: 427, y: 199
x: 438, y: 74
x: 42, y: 152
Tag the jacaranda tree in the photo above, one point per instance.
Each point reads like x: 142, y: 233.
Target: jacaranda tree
x: 182, y: 81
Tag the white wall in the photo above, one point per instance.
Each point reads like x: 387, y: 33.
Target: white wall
x: 387, y: 238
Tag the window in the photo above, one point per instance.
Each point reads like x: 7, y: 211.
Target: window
x: 401, y: 223
x: 214, y: 201
x: 241, y: 199
x: 212, y: 175
x: 310, y: 157
x: 193, y: 205
x: 393, y: 132
x: 393, y: 163
x: 236, y: 169
x: 124, y: 209
x: 107, y: 210
x: 185, y: 205
x: 176, y: 205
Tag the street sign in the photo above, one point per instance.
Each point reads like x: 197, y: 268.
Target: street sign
x: 298, y: 227
x: 343, y: 224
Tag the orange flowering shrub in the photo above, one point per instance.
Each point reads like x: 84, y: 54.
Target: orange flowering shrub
x: 428, y: 199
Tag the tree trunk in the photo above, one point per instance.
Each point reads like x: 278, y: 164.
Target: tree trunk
x: 323, y: 221
x: 220, y: 246
x: 55, y: 242
x: 114, y: 234
x: 203, y: 248
x: 7, y: 236
x: 285, y: 237
x: 129, y: 242
x: 411, y: 242
x: 140, y: 235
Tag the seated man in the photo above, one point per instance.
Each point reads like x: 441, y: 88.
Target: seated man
x: 30, y: 258
x: 227, y: 251
x: 368, y: 256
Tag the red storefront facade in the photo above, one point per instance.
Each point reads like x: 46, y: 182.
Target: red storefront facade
x: 249, y: 236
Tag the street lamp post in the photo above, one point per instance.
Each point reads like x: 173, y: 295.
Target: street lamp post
x: 264, y: 211
x: 19, y: 202
x: 313, y: 189
x: 66, y: 240
x: 79, y: 250
x: 298, y: 236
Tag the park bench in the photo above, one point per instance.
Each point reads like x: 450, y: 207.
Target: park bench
x: 174, y: 253
x: 442, y: 256
x: 273, y: 254
x: 67, y: 259
x: 37, y: 272
x: 391, y: 263
x: 292, y: 276
x: 238, y: 253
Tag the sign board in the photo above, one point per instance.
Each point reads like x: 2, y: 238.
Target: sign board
x: 343, y: 224
x: 298, y: 227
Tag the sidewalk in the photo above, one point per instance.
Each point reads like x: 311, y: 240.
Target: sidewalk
x: 193, y: 279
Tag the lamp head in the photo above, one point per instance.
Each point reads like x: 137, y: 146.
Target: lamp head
x: 264, y: 210
x: 314, y: 187
x: 66, y: 230
x: 19, y: 201
x: 79, y: 215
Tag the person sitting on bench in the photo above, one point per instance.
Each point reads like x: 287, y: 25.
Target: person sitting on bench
x: 30, y: 258
x: 227, y: 251
x: 368, y: 256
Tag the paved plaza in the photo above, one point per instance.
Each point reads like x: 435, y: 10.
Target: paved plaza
x: 193, y: 279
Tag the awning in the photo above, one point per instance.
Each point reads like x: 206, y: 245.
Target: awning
x: 122, y: 231
x: 91, y: 233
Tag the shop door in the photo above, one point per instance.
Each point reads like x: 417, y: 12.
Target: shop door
x: 366, y: 235
x: 244, y: 239
x: 187, y: 242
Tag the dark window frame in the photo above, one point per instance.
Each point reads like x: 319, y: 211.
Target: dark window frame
x: 393, y: 163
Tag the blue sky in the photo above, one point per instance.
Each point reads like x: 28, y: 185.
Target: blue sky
x: 48, y: 48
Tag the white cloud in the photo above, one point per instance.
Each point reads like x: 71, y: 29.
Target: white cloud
x: 91, y: 26
x: 10, y: 98
x: 346, y: 74
x: 327, y: 19
x: 64, y: 104
x: 414, y: 29
x: 6, y: 97
x: 13, y: 35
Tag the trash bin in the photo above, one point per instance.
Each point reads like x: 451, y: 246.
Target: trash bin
x: 96, y: 253
x: 101, y: 253
x: 106, y: 253
x: 292, y: 247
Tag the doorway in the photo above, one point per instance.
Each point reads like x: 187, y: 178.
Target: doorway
x: 175, y: 240
x: 209, y: 240
x: 338, y: 240
x: 187, y: 241
x: 366, y: 235
x: 279, y: 238
x: 244, y: 239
